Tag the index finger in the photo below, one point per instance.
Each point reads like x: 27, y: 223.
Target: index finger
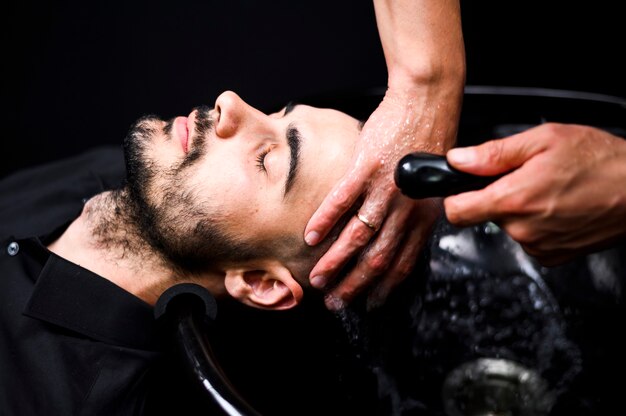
x: 483, y: 205
x: 337, y: 202
x: 467, y: 208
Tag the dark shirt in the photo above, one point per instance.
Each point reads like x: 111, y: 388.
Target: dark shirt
x: 71, y: 342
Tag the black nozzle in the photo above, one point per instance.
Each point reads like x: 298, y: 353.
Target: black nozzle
x: 425, y: 175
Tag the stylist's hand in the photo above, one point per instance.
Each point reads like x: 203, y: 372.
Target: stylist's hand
x: 401, y: 124
x: 425, y: 56
x: 565, y: 196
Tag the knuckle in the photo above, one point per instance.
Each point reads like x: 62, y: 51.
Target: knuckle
x: 494, y: 152
x: 406, y: 262
x: 350, y: 292
x: 349, y: 289
x: 402, y: 270
x: 361, y: 235
x: 523, y: 235
x: 452, y: 210
x: 517, y: 234
x: 331, y: 262
x: 328, y: 266
x: 508, y: 205
x: 554, y: 131
x: 340, y: 198
x: 327, y: 215
x: 550, y: 127
x: 508, y: 202
x: 377, y: 263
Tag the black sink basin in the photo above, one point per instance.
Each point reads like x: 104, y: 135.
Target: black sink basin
x: 480, y: 329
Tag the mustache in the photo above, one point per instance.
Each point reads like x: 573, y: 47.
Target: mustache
x: 145, y: 128
x: 204, y: 124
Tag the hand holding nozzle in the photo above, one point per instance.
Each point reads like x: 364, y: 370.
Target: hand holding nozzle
x: 576, y: 207
x: 425, y: 175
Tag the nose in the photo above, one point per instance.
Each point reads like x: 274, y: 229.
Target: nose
x: 234, y: 114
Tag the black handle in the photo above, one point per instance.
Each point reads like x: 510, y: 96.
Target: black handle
x: 425, y: 175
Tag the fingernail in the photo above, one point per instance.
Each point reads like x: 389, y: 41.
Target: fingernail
x: 461, y: 156
x: 318, y: 282
x: 333, y: 303
x: 312, y: 238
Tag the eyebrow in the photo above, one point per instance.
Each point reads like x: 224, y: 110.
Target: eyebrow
x: 294, y: 138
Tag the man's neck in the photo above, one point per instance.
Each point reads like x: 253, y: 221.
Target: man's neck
x: 105, y: 240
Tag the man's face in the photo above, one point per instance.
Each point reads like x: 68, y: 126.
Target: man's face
x: 259, y: 177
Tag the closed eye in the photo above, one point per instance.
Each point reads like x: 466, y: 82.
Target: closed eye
x: 260, y: 161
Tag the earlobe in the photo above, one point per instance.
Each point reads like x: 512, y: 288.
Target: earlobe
x: 264, y: 285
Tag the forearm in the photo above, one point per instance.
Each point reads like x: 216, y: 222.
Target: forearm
x: 425, y: 56
x: 422, y: 41
x: 423, y: 45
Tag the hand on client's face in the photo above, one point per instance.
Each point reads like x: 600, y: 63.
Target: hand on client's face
x: 391, y: 229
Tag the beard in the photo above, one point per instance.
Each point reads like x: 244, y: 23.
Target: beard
x: 167, y: 217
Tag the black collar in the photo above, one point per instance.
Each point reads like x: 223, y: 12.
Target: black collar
x: 74, y: 298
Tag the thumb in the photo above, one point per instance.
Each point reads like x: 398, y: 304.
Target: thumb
x: 496, y: 156
x: 340, y: 199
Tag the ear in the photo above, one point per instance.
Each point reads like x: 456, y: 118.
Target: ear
x: 264, y: 284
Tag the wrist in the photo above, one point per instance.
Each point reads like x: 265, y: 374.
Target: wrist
x: 430, y: 105
x: 427, y: 75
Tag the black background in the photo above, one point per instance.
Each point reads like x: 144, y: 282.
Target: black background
x: 77, y: 74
